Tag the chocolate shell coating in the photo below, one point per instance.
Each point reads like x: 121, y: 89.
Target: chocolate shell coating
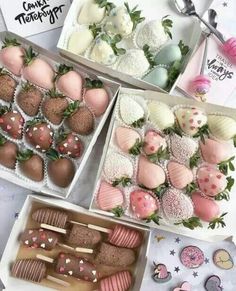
x: 113, y: 256
x: 29, y: 101
x: 12, y: 123
x: 71, y: 146
x: 8, y: 87
x: 29, y: 269
x: 61, y: 172
x: 33, y: 168
x: 53, y: 109
x: 77, y: 267
x: 50, y: 216
x: 40, y: 136
x: 39, y: 238
x: 82, y: 121
x: 82, y: 236
x: 8, y: 153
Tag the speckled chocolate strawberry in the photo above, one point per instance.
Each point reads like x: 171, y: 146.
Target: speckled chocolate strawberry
x: 54, y: 106
x: 192, y: 121
x: 69, y: 144
x: 29, y: 99
x: 144, y: 206
x: 210, y: 180
x: 39, y: 134
x: 11, y: 122
x: 7, y: 85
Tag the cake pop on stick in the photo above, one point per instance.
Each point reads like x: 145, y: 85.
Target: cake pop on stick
x: 120, y: 281
x: 70, y: 265
x: 34, y: 271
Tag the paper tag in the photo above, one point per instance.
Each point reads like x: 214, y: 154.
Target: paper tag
x: 28, y: 17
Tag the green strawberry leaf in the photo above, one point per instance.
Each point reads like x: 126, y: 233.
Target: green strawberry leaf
x: 193, y: 161
x: 234, y: 140
x: 230, y: 183
x: 29, y: 56
x: 53, y: 93
x: 217, y: 222
x: 174, y: 129
x: 61, y: 134
x: 124, y: 181
x: 226, y: 165
x: 10, y: 42
x: 95, y: 30
x: 158, y: 191
x: 91, y: 84
x: 135, y: 15
x: 4, y: 109
x: 103, y: 3
x: 138, y: 123
x: 25, y: 155
x: 3, y: 72
x: 118, y: 211
x: 191, y: 188
x: 112, y: 41
x: 136, y: 148
x: 184, y: 48
x: 52, y: 154
x: 161, y: 154
x: 149, y: 56
x: 27, y: 86
x: 62, y: 69
x: 202, y: 132
x: 223, y: 196
x: 155, y: 218
x: 72, y: 107
x: 191, y: 223
x: 167, y: 25
x: 2, y: 140
x: 37, y: 120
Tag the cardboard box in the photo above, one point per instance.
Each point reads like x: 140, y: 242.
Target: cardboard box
x: 14, y: 250
x: 225, y: 206
x: 185, y: 28
x: 112, y: 89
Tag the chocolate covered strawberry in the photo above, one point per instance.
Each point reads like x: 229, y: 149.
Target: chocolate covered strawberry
x: 31, y: 165
x: 8, y: 153
x: 7, y: 85
x: 53, y: 106
x: 144, y: 206
x: 29, y: 99
x: 39, y: 134
x: 210, y: 180
x: 69, y: 144
x: 60, y: 170
x: 11, y: 122
x: 37, y: 71
x: 69, y: 82
x: 192, y: 121
x: 79, y: 119
x: 11, y: 56
x: 96, y: 97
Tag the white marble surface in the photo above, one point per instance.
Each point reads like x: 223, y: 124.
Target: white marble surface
x: 12, y: 197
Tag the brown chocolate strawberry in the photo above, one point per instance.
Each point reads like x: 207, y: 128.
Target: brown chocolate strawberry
x: 60, y: 170
x: 54, y: 106
x: 29, y: 99
x: 39, y: 134
x: 79, y: 119
x: 31, y: 165
x: 8, y: 153
x: 11, y: 122
x: 7, y: 85
x: 69, y: 144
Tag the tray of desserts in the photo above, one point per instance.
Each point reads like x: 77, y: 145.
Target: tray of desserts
x: 51, y: 113
x: 61, y: 246
x: 143, y: 45
x: 169, y: 162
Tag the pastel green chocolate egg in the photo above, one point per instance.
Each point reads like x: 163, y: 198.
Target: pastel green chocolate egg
x: 158, y: 76
x: 168, y: 55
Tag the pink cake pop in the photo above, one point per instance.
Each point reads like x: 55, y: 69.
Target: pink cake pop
x: 201, y: 86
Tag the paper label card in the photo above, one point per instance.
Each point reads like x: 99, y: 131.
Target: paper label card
x: 28, y: 17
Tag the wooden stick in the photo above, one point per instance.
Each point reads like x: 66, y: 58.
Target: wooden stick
x: 79, y: 223
x: 84, y: 250
x: 53, y: 228
x: 66, y: 247
x: 58, y: 281
x: 44, y: 258
x: 99, y: 228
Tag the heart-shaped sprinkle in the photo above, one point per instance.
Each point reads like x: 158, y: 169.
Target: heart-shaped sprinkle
x: 61, y: 270
x: 42, y: 246
x: 68, y: 261
x: 70, y: 273
x: 81, y: 261
x: 30, y: 231
x: 81, y: 269
x: 26, y: 242
x: 34, y: 238
x: 8, y: 127
x: 94, y: 272
x: 50, y: 240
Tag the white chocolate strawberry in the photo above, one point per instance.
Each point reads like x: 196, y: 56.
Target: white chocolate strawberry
x: 69, y: 82
x: 144, y: 205
x: 160, y: 115
x: 180, y: 176
x: 215, y: 152
x: 222, y: 127
x: 128, y: 140
x: 210, y: 180
x: 37, y: 71
x: 176, y: 205
x: 191, y: 120
x: 134, y: 117
x: 153, y: 142
x: 150, y: 175
x: 92, y: 12
x: 11, y: 56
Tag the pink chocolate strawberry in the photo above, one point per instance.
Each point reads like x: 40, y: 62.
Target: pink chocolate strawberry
x: 11, y: 122
x: 210, y: 180
x: 145, y: 206
x: 11, y: 56
x: 153, y: 142
x: 191, y: 120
